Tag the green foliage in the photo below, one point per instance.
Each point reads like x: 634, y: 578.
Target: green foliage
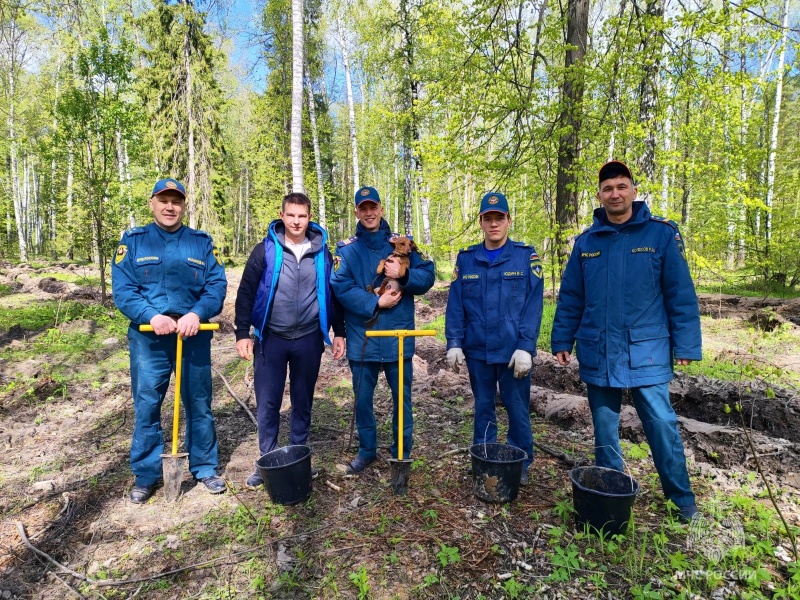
x: 448, y: 555
x: 360, y: 580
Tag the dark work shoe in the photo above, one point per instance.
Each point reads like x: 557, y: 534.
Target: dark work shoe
x: 314, y: 473
x: 254, y: 481
x: 358, y: 464
x: 141, y: 493
x: 686, y: 513
x: 214, y: 484
x: 524, y: 478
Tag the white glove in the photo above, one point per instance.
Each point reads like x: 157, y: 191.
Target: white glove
x: 521, y: 362
x: 455, y: 358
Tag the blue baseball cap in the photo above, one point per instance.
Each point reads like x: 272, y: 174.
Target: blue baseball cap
x: 494, y: 202
x: 168, y: 185
x: 367, y: 193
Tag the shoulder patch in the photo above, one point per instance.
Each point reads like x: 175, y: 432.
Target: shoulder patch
x: 346, y: 242
x: 135, y: 231
x: 664, y: 220
x: 122, y: 250
x: 215, y: 252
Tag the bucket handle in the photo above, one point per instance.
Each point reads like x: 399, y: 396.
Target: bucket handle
x: 624, y: 463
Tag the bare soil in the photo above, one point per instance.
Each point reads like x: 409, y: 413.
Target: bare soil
x: 66, y: 422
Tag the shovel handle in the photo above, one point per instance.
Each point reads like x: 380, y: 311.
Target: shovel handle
x: 203, y: 327
x: 176, y: 411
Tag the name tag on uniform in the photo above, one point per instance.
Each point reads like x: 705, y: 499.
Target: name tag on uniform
x: 590, y: 254
x: 643, y: 249
x: 512, y: 274
x: 148, y: 260
x: 470, y: 276
x: 196, y: 262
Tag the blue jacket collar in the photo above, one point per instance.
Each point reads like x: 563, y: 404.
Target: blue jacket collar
x: 375, y: 240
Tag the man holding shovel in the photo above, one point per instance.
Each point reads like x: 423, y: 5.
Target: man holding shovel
x: 494, y: 310
x: 354, y: 279
x: 285, y: 296
x: 627, y: 302
x: 170, y: 277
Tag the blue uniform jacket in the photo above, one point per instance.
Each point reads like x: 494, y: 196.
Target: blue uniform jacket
x: 273, y: 259
x: 356, y: 264
x: 628, y: 300
x: 157, y: 272
x: 494, y: 309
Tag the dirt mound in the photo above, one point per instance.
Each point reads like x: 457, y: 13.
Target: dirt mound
x: 771, y: 410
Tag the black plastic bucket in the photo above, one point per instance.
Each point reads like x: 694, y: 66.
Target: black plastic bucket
x: 603, y: 498
x: 287, y: 474
x: 496, y: 471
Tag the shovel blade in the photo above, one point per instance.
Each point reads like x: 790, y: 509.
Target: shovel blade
x: 401, y: 473
x: 172, y: 468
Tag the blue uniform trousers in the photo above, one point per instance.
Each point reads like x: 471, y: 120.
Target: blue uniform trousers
x: 152, y: 363
x: 515, y: 394
x: 365, y: 378
x: 660, y: 428
x: 303, y: 356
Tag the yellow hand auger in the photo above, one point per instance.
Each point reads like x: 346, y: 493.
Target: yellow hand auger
x: 401, y: 469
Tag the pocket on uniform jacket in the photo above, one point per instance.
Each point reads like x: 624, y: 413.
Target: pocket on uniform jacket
x: 587, y: 348
x: 649, y: 346
x: 148, y: 269
x: 196, y: 273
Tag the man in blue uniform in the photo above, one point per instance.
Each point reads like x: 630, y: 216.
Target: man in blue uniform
x: 169, y: 276
x: 494, y: 310
x: 285, y: 296
x: 628, y: 303
x: 354, y: 278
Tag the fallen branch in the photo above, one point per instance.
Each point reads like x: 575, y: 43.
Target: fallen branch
x: 456, y: 451
x: 235, y: 397
x: 563, y: 456
x: 333, y: 486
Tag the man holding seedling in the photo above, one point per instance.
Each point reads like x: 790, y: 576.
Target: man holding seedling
x: 494, y: 310
x: 354, y: 279
x: 627, y: 302
x: 170, y: 277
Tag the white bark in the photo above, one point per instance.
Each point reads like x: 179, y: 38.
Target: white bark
x: 190, y: 176
x: 350, y: 105
x: 296, y: 143
x: 773, y: 142
x: 312, y: 112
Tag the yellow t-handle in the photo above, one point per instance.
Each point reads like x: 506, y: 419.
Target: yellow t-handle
x: 400, y: 334
x: 178, y: 368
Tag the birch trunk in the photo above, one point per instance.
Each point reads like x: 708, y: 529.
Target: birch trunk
x: 296, y: 144
x: 190, y: 176
x: 312, y: 113
x: 350, y: 106
x: 773, y: 142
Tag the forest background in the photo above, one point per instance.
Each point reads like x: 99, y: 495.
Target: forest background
x: 432, y: 102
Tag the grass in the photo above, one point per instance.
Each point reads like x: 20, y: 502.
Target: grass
x: 83, y: 280
x: 46, y: 315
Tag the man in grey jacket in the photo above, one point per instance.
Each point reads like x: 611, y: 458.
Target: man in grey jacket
x: 285, y: 296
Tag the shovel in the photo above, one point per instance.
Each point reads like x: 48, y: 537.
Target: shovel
x: 173, y: 465
x: 401, y: 469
